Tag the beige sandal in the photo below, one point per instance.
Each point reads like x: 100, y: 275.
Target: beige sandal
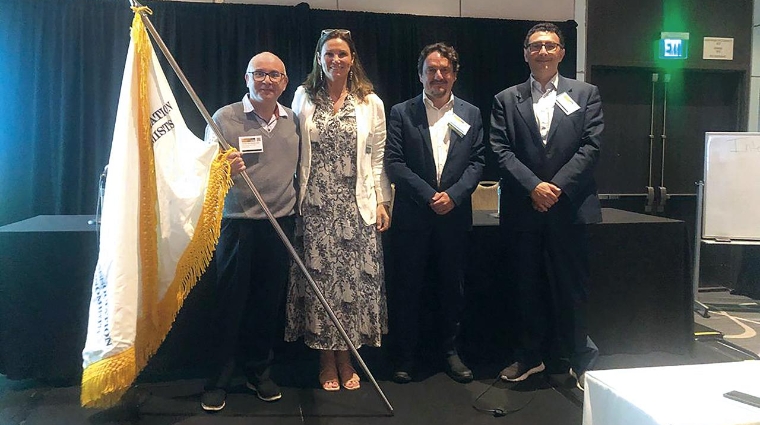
x: 328, y: 372
x: 348, y: 375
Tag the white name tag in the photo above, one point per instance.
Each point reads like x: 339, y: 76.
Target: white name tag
x: 459, y: 125
x: 566, y: 103
x: 251, y: 144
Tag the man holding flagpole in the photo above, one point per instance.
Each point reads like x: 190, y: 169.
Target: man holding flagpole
x: 252, y: 262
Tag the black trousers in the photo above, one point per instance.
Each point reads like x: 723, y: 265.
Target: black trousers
x: 252, y: 277
x: 550, y: 271
x: 441, y: 249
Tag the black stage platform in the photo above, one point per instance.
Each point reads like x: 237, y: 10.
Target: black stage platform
x: 434, y: 399
x: 640, y: 297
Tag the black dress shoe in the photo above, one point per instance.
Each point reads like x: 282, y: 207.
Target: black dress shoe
x: 457, y: 370
x: 401, y: 377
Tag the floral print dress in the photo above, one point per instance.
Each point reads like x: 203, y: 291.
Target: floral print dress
x: 341, y: 252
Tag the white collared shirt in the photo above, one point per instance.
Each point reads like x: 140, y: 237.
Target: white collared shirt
x: 543, y: 104
x: 440, y: 133
x: 268, y: 126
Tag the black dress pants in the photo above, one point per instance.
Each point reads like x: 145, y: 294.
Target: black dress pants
x: 550, y: 270
x: 252, y: 277
x: 439, y: 247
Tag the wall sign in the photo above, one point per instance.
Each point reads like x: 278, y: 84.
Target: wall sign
x: 718, y: 48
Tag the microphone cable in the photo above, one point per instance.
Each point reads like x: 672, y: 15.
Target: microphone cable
x: 499, y: 412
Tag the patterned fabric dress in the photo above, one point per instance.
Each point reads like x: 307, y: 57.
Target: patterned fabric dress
x: 342, y: 253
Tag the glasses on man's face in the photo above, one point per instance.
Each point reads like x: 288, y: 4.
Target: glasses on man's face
x: 274, y: 76
x: 536, y: 46
x: 331, y: 31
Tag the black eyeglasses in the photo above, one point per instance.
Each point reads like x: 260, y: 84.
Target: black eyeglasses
x: 274, y: 76
x: 331, y: 31
x: 550, y: 46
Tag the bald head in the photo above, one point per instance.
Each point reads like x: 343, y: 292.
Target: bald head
x: 266, y: 58
x: 266, y: 79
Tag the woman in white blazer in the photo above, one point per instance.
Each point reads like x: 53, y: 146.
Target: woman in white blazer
x: 344, y: 197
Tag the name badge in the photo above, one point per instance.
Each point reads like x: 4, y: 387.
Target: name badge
x: 251, y: 144
x: 459, y: 125
x: 566, y: 103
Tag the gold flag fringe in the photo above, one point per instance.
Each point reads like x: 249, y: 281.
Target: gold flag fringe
x: 106, y: 381
x: 148, y: 192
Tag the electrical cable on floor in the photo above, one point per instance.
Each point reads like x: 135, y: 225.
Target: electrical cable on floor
x: 499, y: 412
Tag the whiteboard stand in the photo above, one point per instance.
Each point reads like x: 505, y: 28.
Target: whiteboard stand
x: 699, y: 307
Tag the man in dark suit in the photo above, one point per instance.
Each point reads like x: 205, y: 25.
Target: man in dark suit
x: 434, y: 156
x: 545, y: 134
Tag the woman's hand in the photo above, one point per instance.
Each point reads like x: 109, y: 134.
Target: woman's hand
x: 383, y: 218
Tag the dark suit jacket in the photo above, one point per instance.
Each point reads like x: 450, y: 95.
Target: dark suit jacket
x: 567, y: 160
x: 409, y: 164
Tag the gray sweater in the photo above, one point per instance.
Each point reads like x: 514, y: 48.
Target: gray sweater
x: 271, y: 171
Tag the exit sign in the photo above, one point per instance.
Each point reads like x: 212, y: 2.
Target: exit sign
x: 674, y: 45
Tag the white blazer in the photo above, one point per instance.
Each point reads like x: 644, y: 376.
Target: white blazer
x: 372, y: 184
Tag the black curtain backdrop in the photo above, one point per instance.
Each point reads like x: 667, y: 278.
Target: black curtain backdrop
x: 61, y: 64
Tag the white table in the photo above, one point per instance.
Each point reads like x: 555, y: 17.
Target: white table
x: 672, y: 395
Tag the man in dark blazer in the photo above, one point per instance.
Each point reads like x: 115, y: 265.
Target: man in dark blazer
x: 434, y: 156
x: 545, y: 134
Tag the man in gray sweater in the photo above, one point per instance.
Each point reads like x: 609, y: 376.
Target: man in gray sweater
x: 252, y: 263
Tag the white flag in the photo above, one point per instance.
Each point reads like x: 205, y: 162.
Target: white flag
x: 161, y: 215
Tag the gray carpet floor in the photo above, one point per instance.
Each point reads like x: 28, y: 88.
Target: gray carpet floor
x: 735, y: 316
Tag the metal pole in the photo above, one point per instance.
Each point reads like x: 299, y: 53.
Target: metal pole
x: 700, y: 308
x: 662, y: 189
x: 207, y: 117
x: 664, y: 128
x: 650, y: 189
x: 655, y: 77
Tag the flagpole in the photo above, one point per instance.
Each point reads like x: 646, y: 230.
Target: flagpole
x: 223, y: 142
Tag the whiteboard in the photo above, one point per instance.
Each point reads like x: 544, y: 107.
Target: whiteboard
x: 731, y: 204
